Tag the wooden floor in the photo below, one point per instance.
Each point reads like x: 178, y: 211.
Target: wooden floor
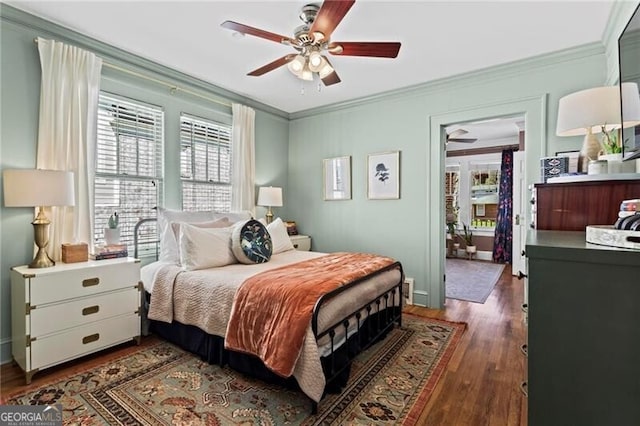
x: 479, y: 387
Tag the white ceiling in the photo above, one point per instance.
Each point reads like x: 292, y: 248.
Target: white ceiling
x: 439, y: 39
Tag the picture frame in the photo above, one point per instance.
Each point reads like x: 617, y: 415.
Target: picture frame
x: 337, y: 178
x: 383, y: 176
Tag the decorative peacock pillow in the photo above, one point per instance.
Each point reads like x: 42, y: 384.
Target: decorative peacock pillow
x: 251, y: 242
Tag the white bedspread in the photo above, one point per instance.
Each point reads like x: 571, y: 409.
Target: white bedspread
x: 204, y: 299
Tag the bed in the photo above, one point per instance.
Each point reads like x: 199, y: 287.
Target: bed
x: 220, y: 312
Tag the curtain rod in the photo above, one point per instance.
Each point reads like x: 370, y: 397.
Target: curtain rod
x: 172, y: 87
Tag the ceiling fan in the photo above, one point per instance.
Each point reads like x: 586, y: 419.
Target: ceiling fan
x: 313, y: 39
x: 454, y: 136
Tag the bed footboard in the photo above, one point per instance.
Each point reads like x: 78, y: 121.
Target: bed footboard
x: 384, y: 304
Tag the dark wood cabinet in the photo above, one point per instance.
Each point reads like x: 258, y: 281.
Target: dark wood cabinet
x: 572, y: 206
x: 583, y: 334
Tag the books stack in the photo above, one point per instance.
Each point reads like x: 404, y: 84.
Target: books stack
x: 110, y: 251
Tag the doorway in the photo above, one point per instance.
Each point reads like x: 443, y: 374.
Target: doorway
x: 534, y: 109
x: 473, y: 167
x: 472, y: 181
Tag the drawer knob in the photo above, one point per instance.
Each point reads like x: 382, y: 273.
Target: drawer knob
x: 523, y: 389
x: 295, y: 246
x: 90, y: 338
x: 90, y: 282
x: 524, y: 349
x: 91, y: 310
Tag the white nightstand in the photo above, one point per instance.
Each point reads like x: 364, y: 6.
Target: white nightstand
x: 301, y: 242
x: 72, y: 309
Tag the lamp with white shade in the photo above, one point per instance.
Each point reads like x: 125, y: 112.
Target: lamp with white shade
x: 38, y: 188
x: 588, y: 111
x: 270, y: 196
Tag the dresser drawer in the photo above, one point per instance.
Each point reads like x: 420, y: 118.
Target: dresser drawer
x: 79, y: 341
x: 81, y: 282
x: 61, y: 316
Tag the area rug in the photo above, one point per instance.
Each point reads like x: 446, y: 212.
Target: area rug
x: 471, y: 280
x: 163, y: 385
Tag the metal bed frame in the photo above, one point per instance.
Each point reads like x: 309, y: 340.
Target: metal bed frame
x: 375, y: 326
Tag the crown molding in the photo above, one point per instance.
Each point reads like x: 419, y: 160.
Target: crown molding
x: 482, y: 76
x: 122, y: 58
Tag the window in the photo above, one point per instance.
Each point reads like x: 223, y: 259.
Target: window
x: 128, y: 167
x: 205, y: 164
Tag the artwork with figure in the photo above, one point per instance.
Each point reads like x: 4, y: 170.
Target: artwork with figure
x: 383, y: 176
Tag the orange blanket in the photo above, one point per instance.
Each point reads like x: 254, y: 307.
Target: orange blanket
x: 272, y: 310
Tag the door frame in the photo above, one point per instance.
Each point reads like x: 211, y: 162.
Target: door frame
x: 534, y: 110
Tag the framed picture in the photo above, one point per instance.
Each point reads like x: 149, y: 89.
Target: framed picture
x: 383, y: 176
x: 337, y: 178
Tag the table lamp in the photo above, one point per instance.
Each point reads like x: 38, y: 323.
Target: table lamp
x: 270, y: 196
x: 585, y: 113
x: 38, y: 188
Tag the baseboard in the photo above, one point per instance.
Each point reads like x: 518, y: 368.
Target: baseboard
x: 420, y: 298
x: 5, y: 351
x: 480, y: 255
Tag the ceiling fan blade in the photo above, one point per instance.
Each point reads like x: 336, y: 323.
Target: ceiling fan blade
x: 331, y: 79
x: 272, y: 65
x: 329, y: 16
x: 245, y: 29
x: 457, y: 132
x: 461, y: 140
x: 372, y: 48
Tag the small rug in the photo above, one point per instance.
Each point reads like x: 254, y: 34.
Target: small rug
x: 390, y: 383
x: 471, y: 280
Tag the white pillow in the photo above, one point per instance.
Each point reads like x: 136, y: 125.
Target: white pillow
x: 168, y: 243
x: 218, y: 223
x: 202, y: 248
x: 280, y: 240
x: 234, y: 217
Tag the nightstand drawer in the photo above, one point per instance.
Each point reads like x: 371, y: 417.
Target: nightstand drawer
x: 81, y: 282
x: 61, y: 316
x: 83, y: 340
x: 301, y: 242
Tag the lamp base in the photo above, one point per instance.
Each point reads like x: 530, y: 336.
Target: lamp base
x: 269, y: 216
x: 41, y: 233
x: 42, y: 260
x: 590, y: 150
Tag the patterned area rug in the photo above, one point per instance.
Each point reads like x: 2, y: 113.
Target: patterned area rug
x: 471, y: 280
x: 163, y: 385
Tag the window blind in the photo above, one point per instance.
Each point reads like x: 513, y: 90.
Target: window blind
x: 205, y: 164
x: 128, y: 167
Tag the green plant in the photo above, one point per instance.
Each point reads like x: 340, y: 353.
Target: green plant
x: 610, y: 144
x: 467, y: 234
x: 114, y: 220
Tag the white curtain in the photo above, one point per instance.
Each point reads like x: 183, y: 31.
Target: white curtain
x: 69, y: 91
x: 243, y: 159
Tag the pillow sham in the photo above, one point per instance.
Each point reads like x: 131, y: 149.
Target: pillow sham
x: 218, y: 223
x: 168, y: 242
x: 202, y: 248
x: 280, y: 240
x: 251, y: 242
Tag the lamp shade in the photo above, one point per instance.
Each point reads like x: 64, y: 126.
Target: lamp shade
x: 270, y: 196
x: 630, y: 104
x: 589, y: 109
x: 36, y: 187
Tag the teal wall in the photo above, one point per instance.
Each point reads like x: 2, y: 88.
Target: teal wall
x: 20, y: 89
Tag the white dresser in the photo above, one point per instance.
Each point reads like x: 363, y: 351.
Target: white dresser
x: 301, y: 242
x: 72, y: 309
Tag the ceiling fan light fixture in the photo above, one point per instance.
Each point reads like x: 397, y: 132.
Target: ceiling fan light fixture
x: 316, y: 61
x: 326, y: 69
x: 297, y: 64
x: 318, y: 37
x: 306, y: 74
